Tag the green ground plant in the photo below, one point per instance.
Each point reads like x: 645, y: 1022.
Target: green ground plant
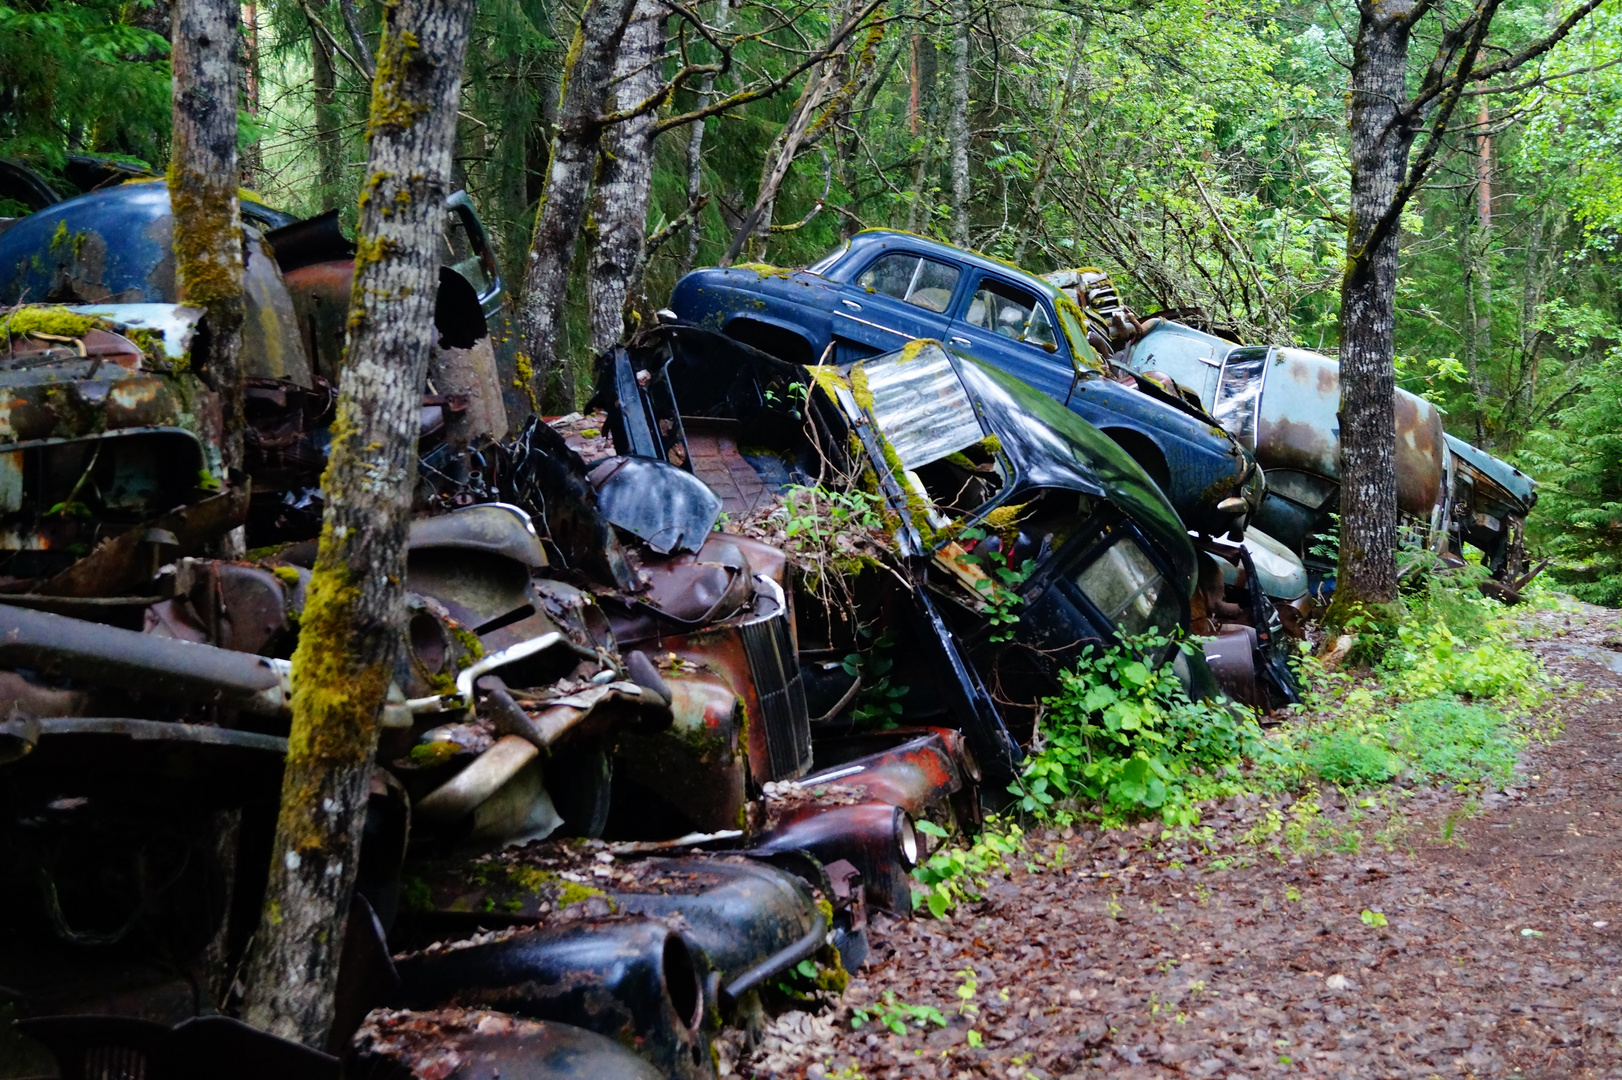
x: 1124, y: 736
x: 954, y: 873
x: 1452, y: 699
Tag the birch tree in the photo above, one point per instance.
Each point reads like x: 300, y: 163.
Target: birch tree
x: 957, y: 122
x: 625, y: 177
x: 352, y: 619
x: 579, y: 132
x: 206, y: 55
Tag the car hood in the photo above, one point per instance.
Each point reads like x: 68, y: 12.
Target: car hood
x: 1050, y: 446
x: 1516, y: 483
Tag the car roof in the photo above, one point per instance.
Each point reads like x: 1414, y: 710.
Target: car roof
x: 924, y: 245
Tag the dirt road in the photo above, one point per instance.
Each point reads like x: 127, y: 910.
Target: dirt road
x: 1492, y: 943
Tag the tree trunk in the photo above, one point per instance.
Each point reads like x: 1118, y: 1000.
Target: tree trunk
x: 1470, y: 267
x: 252, y: 155
x: 563, y: 201
x: 1380, y: 142
x: 203, y: 194
x: 329, y: 141
x: 1482, y: 275
x: 352, y: 619
x: 957, y: 123
x: 619, y: 206
x: 695, y: 150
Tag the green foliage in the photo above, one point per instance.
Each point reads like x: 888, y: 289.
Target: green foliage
x: 999, y: 588
x: 1580, y: 508
x: 1446, y: 739
x: 954, y: 872
x: 896, y: 1015
x: 813, y: 518
x: 82, y: 77
x: 879, y: 703
x: 1351, y: 760
x: 1124, y: 735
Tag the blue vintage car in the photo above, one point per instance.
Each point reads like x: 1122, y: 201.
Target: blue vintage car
x: 882, y: 289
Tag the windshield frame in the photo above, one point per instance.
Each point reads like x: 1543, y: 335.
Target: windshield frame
x: 829, y: 261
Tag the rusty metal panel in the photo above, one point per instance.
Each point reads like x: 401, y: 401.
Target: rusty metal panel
x: 320, y: 294
x: 1299, y: 428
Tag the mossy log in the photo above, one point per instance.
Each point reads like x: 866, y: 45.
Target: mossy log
x: 352, y: 618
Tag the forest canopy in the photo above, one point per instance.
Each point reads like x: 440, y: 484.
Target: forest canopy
x: 1198, y: 152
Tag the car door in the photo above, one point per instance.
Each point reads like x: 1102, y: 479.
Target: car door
x: 1009, y: 326
x: 899, y: 296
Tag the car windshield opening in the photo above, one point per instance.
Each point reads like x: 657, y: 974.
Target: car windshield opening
x: 919, y: 403
x: 1239, y: 392
x: 1124, y: 584
x: 922, y: 282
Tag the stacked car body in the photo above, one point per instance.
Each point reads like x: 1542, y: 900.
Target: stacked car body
x: 624, y: 787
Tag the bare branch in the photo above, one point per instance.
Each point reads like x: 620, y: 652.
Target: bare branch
x: 352, y: 23
x: 836, y: 40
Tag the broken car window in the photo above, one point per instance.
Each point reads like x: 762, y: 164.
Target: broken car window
x: 1013, y: 313
x: 924, y: 282
x: 919, y: 403
x: 1239, y: 391
x: 1125, y: 585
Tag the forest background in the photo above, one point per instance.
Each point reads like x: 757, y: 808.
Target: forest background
x: 1197, y: 151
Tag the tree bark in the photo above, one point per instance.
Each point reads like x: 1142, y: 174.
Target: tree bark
x: 1380, y: 141
x: 619, y: 205
x: 581, y: 105
x: 329, y: 144
x: 695, y: 150
x: 352, y: 618
x: 252, y: 156
x: 203, y: 194
x: 1482, y: 275
x: 957, y: 123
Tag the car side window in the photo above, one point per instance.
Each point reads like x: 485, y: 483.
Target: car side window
x: 1013, y: 313
x: 916, y: 280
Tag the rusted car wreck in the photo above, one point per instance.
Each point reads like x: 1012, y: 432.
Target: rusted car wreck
x: 596, y: 776
x: 624, y: 794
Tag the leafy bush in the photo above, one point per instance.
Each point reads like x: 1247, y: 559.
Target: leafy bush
x: 1447, y: 739
x: 1127, y: 737
x: 1431, y: 658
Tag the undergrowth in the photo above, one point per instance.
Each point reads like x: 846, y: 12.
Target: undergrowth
x: 1452, y: 699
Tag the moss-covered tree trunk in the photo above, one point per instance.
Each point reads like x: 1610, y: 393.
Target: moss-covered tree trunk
x: 586, y: 77
x: 619, y: 203
x: 206, y: 59
x: 352, y: 619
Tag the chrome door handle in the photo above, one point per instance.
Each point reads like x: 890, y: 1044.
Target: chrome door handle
x: 961, y: 341
x: 853, y: 305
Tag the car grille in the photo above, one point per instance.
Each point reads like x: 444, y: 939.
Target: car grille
x: 776, y: 672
